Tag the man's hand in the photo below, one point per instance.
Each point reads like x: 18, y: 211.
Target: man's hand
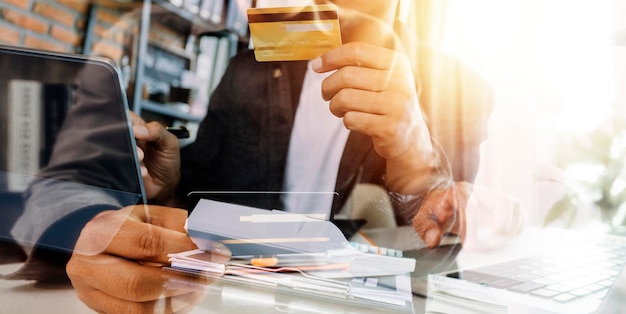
x: 159, y: 154
x: 113, y: 264
x: 373, y: 90
x: 443, y: 211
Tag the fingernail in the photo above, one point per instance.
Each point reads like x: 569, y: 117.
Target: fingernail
x: 140, y: 130
x: 221, y: 249
x: 316, y: 64
x: 431, y: 237
x: 211, y: 246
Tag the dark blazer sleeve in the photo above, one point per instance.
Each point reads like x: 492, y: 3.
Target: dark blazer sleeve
x: 92, y: 169
x: 456, y: 103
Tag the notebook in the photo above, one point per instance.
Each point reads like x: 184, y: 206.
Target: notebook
x: 579, y: 277
x: 65, y: 124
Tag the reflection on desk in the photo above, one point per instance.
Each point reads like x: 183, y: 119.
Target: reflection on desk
x: 17, y: 296
x: 22, y: 296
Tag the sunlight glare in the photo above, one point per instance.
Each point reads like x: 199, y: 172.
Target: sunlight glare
x: 556, y: 55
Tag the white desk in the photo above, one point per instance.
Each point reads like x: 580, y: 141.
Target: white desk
x: 27, y: 297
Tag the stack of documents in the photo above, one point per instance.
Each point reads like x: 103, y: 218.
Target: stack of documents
x: 286, y: 240
x: 392, y: 292
x: 294, y: 253
x: 249, y: 231
x: 335, y: 264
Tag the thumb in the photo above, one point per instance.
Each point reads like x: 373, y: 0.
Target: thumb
x: 441, y: 212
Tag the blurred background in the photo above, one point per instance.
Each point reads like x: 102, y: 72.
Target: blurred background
x: 557, y: 137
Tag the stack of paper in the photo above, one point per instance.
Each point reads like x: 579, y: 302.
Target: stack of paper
x: 337, y: 264
x: 392, y: 291
x: 291, y: 252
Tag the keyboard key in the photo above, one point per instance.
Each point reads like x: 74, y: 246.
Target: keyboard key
x: 605, y: 283
x: 527, y: 277
x: 580, y: 292
x: 560, y: 288
x: 565, y: 275
x: 540, y: 273
x: 573, y: 283
x: 544, y: 281
x: 565, y: 297
x: 480, y: 278
x: 526, y: 287
x: 372, y: 249
x: 364, y: 248
x: 594, y: 287
x: 504, y: 283
x: 545, y: 293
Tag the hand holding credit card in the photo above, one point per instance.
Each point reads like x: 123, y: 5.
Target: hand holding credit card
x: 293, y: 33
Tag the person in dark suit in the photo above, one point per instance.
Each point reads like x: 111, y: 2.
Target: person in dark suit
x: 406, y: 117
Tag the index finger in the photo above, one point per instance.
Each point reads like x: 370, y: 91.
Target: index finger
x: 129, y: 235
x: 355, y: 54
x: 148, y: 242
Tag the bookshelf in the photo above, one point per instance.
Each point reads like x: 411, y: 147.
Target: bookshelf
x: 222, y: 20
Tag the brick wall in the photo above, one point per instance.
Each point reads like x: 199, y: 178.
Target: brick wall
x: 43, y: 24
x: 113, y: 29
x: 61, y: 25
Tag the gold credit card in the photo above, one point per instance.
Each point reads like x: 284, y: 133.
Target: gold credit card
x: 293, y: 33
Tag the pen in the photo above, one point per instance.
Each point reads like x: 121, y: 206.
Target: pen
x: 179, y: 131
x: 287, y: 260
x: 264, y: 261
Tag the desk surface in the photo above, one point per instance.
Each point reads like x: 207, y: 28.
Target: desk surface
x: 27, y: 297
